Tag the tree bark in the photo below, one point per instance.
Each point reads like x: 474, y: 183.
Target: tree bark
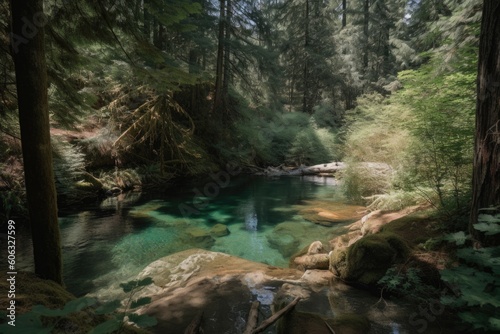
x: 486, y: 172
x: 28, y: 49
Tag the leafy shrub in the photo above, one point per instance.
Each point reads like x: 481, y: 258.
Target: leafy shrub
x: 476, y: 281
x: 362, y: 180
x: 268, y: 138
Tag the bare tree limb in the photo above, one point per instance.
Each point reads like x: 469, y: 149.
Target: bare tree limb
x: 252, y: 317
x: 271, y: 320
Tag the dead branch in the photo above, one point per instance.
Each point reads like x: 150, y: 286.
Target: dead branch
x: 271, y: 320
x: 252, y: 317
x: 194, y: 326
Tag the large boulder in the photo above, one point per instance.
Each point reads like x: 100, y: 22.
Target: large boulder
x: 366, y: 261
x: 220, y: 285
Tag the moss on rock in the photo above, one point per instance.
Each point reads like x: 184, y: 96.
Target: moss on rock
x: 219, y: 230
x: 367, y: 260
x: 338, y: 263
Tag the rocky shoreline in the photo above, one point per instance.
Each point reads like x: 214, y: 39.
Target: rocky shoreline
x: 222, y: 287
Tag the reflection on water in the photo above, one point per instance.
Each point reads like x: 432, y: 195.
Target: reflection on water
x: 251, y: 220
x: 111, y: 242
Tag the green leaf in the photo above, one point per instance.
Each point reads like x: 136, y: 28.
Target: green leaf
x: 484, y: 257
x: 44, y: 311
x: 128, y: 286
x: 143, y: 320
x: 458, y: 238
x: 107, y: 327
x: 140, y: 302
x: 488, y: 229
x: 145, y: 281
x: 72, y: 306
x: 495, y: 323
x: 131, y: 285
x: 27, y: 323
x: 485, y: 218
x: 476, y: 319
x: 108, y: 307
x: 79, y: 304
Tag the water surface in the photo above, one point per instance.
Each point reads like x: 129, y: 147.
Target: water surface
x: 112, y: 242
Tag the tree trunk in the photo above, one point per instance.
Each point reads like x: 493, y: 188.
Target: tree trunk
x: 220, y: 58
x: 366, y: 22
x: 344, y: 13
x: 28, y: 51
x: 305, y: 99
x: 486, y: 172
x: 147, y: 21
x: 227, y: 50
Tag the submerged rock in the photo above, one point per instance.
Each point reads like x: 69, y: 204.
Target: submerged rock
x: 286, y: 244
x: 219, y: 230
x: 199, y: 236
x: 328, y: 213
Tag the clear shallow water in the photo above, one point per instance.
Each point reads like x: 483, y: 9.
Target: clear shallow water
x: 110, y: 243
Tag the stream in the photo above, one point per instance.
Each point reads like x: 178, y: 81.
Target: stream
x: 113, y: 241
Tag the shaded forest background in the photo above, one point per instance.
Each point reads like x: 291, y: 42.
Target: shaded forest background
x: 142, y: 92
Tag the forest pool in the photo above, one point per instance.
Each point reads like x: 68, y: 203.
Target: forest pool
x: 114, y: 240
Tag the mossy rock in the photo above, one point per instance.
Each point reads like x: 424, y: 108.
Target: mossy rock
x: 219, y: 230
x: 200, y: 237
x: 368, y: 259
x: 338, y: 262
x: 31, y: 290
x: 415, y: 228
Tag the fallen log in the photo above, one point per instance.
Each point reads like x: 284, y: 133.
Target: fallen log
x: 252, y: 317
x: 328, y: 168
x: 272, y: 319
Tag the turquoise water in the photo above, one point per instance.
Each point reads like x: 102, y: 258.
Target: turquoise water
x: 110, y: 243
